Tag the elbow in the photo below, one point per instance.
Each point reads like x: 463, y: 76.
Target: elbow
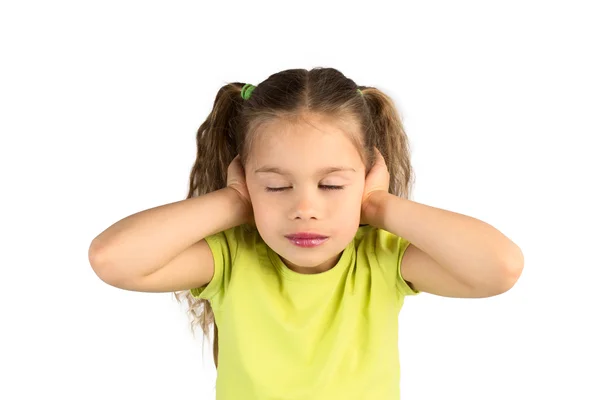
x: 501, y: 276
x: 510, y: 271
x: 514, y: 266
x: 98, y: 262
x: 94, y: 256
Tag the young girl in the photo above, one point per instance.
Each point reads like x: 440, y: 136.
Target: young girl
x: 299, y: 242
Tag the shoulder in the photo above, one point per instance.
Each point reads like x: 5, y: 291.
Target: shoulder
x: 365, y: 236
x: 380, y: 242
x: 232, y: 246
x: 241, y: 236
x: 383, y: 251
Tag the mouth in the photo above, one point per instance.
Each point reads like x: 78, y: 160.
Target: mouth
x: 306, y: 239
x: 305, y: 235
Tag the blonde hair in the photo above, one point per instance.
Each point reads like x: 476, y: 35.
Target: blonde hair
x: 229, y: 129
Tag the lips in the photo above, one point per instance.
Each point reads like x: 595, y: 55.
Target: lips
x: 305, y: 236
x: 306, y: 239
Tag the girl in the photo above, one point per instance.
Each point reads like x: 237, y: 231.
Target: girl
x: 299, y: 242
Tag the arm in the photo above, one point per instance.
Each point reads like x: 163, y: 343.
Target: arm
x: 139, y: 245
x: 451, y: 254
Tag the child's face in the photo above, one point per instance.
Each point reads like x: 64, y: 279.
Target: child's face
x: 305, y: 203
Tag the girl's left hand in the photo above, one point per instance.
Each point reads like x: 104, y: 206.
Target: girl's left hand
x: 377, y: 180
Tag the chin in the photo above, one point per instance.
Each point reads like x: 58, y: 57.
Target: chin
x: 309, y: 258
x: 306, y: 257
x: 305, y: 262
x: 301, y: 257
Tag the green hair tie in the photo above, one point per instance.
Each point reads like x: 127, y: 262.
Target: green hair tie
x: 247, y: 90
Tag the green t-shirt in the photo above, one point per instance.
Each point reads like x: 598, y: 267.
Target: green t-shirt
x: 286, y: 335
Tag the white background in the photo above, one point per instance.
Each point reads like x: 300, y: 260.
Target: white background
x: 99, y: 107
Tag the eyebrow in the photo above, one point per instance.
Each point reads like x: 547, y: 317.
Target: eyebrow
x: 326, y: 170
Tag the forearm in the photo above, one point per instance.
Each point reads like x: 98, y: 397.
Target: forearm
x: 468, y: 248
x: 147, y: 240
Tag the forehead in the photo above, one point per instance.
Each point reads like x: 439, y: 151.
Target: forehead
x: 309, y: 143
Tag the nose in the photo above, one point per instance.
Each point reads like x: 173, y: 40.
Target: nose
x: 305, y: 206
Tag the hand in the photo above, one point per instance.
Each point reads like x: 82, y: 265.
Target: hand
x: 377, y: 181
x: 236, y: 180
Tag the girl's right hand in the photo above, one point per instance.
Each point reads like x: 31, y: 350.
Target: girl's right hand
x: 236, y: 180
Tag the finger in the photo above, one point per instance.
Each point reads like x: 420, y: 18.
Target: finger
x: 379, y: 157
x: 238, y: 162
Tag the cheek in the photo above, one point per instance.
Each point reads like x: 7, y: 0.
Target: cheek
x: 354, y: 197
x: 346, y: 210
x: 263, y: 208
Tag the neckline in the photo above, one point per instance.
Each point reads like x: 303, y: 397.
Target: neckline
x: 335, y: 271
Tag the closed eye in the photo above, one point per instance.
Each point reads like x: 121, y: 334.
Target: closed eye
x: 324, y: 187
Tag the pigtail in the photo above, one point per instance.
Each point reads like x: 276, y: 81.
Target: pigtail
x: 218, y: 141
x: 388, y: 136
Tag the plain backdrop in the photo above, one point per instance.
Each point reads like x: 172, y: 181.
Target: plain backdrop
x: 99, y: 107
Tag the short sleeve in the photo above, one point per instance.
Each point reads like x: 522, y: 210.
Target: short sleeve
x: 389, y: 250
x: 223, y: 246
